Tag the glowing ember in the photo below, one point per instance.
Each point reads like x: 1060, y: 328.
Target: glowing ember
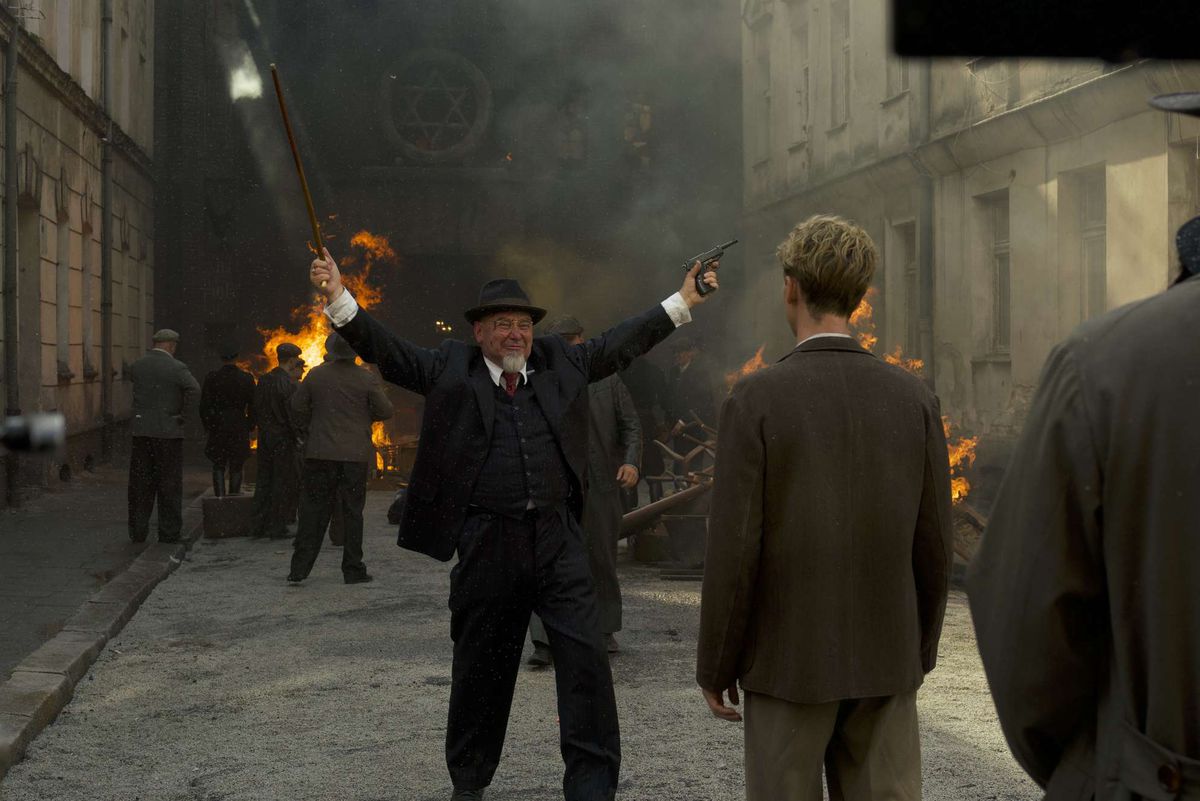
x: 962, y: 456
x: 753, y: 365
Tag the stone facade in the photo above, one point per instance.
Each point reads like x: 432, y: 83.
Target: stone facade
x: 1011, y: 199
x: 60, y: 129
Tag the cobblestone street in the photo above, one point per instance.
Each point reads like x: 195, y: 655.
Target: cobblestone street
x: 230, y: 684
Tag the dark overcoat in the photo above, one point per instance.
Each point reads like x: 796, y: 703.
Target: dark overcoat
x: 164, y: 393
x: 227, y: 412
x: 460, y: 396
x: 830, y: 539
x: 1085, y: 591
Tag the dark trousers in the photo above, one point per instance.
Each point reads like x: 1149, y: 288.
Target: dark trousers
x: 508, y: 568
x: 601, y: 526
x: 156, y: 474
x: 327, y: 486
x: 274, y: 485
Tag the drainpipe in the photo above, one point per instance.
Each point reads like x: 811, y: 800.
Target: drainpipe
x: 106, y: 204
x: 12, y: 390
x: 925, y: 237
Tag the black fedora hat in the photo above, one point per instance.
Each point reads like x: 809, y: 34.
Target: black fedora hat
x: 1179, y: 102
x: 503, y: 294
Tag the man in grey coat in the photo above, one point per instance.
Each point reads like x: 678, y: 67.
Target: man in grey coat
x: 614, y: 453
x: 336, y: 405
x: 1085, y: 591
x: 829, y: 546
x: 164, y: 393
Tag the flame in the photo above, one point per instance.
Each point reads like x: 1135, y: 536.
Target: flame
x: 309, y: 324
x: 752, y: 365
x: 379, y: 438
x: 962, y: 456
x: 962, y: 449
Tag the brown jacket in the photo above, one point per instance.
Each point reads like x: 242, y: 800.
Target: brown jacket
x: 829, y: 545
x: 1086, y: 589
x: 336, y: 403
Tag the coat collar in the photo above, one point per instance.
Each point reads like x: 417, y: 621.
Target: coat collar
x: 828, y: 343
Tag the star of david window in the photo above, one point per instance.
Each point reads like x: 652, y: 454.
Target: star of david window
x: 436, y: 106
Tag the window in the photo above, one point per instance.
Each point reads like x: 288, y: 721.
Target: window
x: 839, y: 62
x: 906, y: 242
x: 798, y: 70
x: 1093, y: 253
x: 997, y: 217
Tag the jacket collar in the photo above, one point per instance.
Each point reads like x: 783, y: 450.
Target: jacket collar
x: 844, y: 344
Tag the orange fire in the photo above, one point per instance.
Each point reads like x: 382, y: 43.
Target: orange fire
x: 752, y: 365
x: 380, y: 438
x: 962, y: 449
x: 310, y: 326
x: 962, y: 456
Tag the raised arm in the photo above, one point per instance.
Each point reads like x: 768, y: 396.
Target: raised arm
x: 613, y: 350
x: 400, y: 361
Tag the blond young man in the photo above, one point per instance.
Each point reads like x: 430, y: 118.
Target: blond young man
x: 829, y: 545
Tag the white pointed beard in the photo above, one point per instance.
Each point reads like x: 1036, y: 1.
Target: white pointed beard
x: 513, y: 363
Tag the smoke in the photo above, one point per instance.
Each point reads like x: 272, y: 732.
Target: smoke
x: 613, y: 150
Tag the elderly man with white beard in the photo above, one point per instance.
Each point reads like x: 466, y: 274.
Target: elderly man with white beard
x: 498, y: 480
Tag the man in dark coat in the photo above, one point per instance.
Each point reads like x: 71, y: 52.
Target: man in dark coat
x: 691, y: 384
x: 164, y: 392
x: 499, y: 479
x: 277, y: 442
x: 227, y: 413
x: 1084, y: 591
x: 829, y: 549
x: 614, y: 452
x: 335, y: 406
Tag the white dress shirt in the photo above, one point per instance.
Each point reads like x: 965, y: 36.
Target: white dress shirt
x: 814, y: 336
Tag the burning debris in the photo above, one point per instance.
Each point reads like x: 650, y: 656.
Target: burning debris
x: 863, y: 321
x: 962, y: 456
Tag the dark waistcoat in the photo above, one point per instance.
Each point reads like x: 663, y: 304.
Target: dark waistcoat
x: 523, y: 461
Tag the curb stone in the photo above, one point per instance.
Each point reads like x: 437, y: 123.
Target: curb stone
x: 43, y: 683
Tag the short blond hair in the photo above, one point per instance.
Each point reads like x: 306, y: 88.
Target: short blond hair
x: 833, y: 260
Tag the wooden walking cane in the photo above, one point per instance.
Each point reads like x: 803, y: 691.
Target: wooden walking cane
x: 287, y: 126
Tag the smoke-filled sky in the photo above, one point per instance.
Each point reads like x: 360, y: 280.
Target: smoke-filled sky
x: 611, y: 152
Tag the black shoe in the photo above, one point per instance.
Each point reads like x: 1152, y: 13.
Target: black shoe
x: 363, y: 579
x: 294, y: 579
x: 467, y: 795
x: 541, y: 656
x: 169, y: 541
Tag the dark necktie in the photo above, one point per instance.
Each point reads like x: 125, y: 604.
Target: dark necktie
x: 510, y: 383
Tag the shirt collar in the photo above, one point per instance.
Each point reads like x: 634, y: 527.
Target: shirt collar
x: 160, y: 350
x: 497, y: 371
x: 814, y: 336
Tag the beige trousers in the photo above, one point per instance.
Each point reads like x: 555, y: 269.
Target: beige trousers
x: 869, y: 749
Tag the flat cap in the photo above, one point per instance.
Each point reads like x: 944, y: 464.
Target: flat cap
x: 165, y: 335
x: 566, y: 326
x: 286, y: 351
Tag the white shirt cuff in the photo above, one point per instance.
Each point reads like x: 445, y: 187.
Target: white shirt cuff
x: 342, y: 310
x: 677, y: 309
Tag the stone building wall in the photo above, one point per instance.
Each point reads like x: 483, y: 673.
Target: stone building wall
x: 59, y: 132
